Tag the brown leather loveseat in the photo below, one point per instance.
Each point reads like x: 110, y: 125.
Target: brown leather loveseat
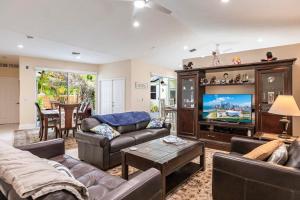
x: 100, y: 185
x: 239, y: 178
x: 99, y: 151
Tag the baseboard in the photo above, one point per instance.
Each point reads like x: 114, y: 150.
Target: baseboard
x: 27, y: 126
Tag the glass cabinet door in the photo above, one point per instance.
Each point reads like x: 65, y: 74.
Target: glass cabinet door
x: 272, y: 85
x: 188, y: 92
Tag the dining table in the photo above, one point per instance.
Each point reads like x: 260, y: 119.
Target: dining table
x: 51, y: 114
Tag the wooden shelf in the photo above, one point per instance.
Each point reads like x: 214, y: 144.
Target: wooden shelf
x: 231, y: 84
x: 228, y: 124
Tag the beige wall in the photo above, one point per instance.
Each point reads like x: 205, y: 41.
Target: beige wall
x: 141, y: 72
x: 9, y: 72
x: 282, y: 52
x: 134, y: 71
x: 28, y: 85
x: 116, y: 70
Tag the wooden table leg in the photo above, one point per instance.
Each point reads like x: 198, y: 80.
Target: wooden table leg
x: 163, y: 185
x: 202, y: 159
x: 124, y: 167
x: 46, y: 128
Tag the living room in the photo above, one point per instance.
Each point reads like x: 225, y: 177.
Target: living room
x: 149, y: 99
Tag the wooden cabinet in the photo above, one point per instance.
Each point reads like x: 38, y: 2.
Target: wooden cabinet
x: 187, y: 106
x: 271, y: 79
x: 270, y: 83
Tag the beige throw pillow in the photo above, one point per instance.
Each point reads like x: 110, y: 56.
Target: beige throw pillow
x: 264, y: 151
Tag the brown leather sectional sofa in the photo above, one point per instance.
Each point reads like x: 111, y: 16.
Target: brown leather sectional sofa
x: 239, y: 178
x: 100, y: 185
x: 99, y: 151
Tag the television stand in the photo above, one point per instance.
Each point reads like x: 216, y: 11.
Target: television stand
x: 223, y: 131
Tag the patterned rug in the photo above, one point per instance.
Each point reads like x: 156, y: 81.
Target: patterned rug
x: 196, y: 187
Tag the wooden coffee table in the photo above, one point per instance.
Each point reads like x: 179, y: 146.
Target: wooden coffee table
x: 165, y: 157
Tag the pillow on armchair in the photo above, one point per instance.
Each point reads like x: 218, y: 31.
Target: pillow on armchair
x: 264, y: 151
x: 279, y: 156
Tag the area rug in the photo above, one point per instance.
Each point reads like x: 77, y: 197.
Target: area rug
x: 196, y: 187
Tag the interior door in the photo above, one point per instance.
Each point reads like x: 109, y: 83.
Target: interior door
x: 106, y: 96
x: 9, y: 100
x: 118, y: 103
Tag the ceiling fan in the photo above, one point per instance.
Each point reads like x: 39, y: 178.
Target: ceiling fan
x: 149, y: 4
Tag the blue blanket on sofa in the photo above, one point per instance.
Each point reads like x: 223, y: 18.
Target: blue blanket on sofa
x: 123, y: 119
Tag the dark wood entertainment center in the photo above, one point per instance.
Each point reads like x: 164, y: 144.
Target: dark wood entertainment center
x: 273, y: 77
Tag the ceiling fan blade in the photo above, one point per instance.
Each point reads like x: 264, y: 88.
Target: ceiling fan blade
x: 159, y: 7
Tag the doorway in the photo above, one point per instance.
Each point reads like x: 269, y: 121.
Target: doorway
x: 9, y: 100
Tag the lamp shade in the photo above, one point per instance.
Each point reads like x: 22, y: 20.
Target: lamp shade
x: 285, y: 105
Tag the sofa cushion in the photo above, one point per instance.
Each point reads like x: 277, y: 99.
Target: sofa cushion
x: 98, y: 182
x: 121, y: 142
x: 89, y: 123
x: 140, y: 136
x: 106, y: 131
x: 158, y: 133
x: 294, y: 155
x: 126, y: 129
x: 141, y: 125
x: 264, y: 151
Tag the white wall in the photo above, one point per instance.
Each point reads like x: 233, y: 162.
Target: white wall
x: 134, y: 71
x: 28, y: 84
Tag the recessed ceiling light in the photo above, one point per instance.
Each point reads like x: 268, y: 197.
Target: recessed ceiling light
x: 185, y: 47
x: 78, y: 57
x: 139, y: 4
x: 225, y: 1
x: 260, y: 40
x: 136, y: 24
x: 20, y: 46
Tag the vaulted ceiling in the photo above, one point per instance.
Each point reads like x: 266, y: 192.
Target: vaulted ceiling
x: 102, y: 31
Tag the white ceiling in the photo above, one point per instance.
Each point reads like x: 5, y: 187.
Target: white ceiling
x: 101, y: 30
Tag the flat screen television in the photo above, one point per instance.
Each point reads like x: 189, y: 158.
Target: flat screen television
x: 235, y: 108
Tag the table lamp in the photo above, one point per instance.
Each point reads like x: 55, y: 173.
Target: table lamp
x: 285, y: 105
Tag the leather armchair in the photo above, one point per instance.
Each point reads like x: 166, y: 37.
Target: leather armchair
x: 239, y: 178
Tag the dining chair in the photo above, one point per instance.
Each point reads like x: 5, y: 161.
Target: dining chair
x: 51, y: 123
x: 41, y: 118
x: 68, y: 119
x: 83, y: 113
x: 54, y: 104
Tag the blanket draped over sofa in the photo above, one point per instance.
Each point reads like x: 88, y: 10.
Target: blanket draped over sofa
x: 123, y: 119
x: 33, y: 177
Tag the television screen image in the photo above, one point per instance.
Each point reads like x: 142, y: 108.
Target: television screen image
x: 228, y: 107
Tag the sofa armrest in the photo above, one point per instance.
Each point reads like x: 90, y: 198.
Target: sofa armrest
x: 244, y: 145
x: 46, y: 149
x: 236, y: 175
x: 167, y: 125
x: 92, y: 138
x: 146, y: 186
